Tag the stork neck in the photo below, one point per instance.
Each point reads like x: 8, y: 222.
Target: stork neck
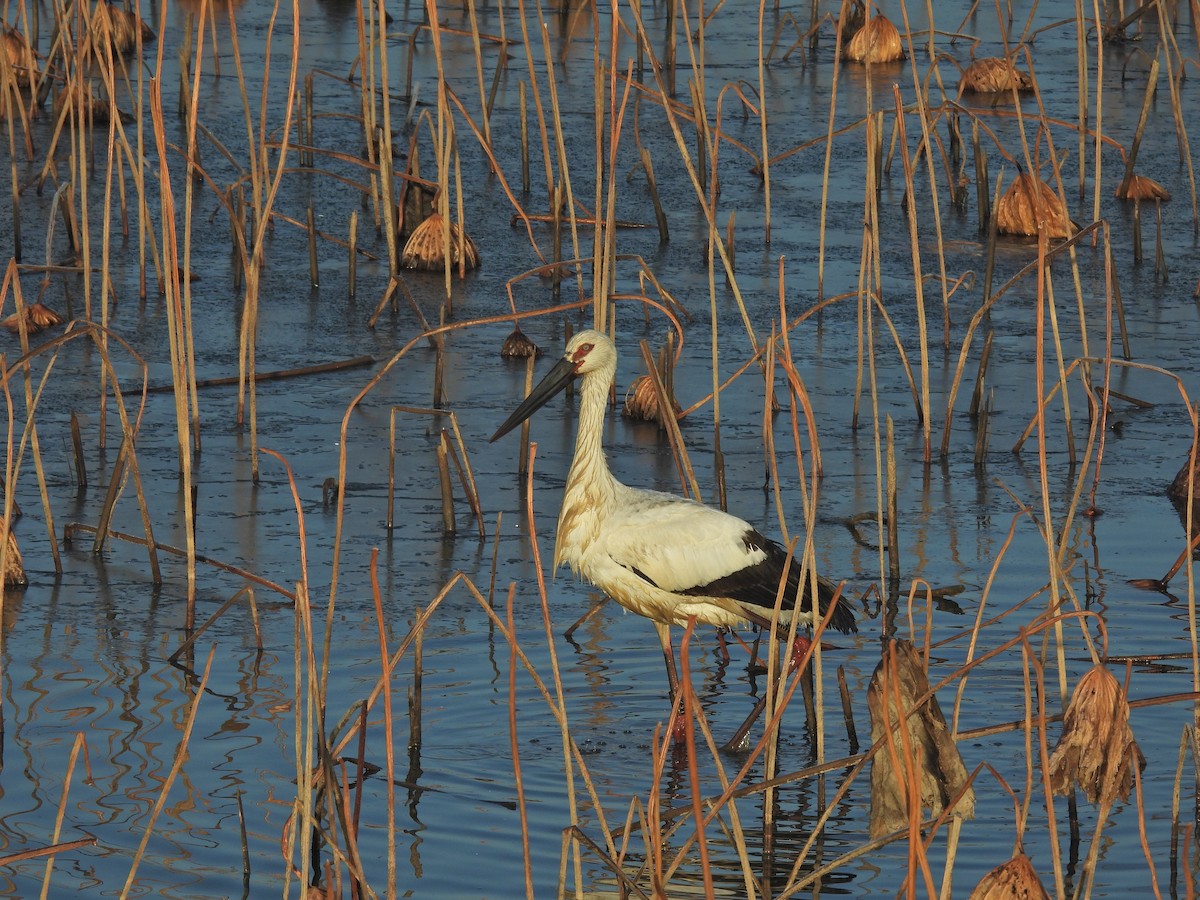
x: 589, y: 465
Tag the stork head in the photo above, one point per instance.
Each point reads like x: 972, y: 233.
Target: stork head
x: 589, y: 351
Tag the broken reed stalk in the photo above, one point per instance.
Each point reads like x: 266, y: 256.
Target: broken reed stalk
x: 448, y: 526
x: 314, y: 275
x: 81, y: 479
x: 352, y: 277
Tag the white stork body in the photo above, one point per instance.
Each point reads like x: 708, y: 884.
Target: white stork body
x: 659, y: 555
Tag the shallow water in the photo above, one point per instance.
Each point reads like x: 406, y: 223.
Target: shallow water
x: 86, y: 651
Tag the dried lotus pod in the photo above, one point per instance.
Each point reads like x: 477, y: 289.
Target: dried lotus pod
x: 993, y: 75
x: 117, y: 28
x: 1186, y: 483
x: 518, y: 346
x: 78, y: 94
x: 1013, y: 880
x: 1096, y: 749
x: 19, y: 56
x: 898, y: 682
x: 426, y: 247
x: 38, y: 317
x: 1142, y: 188
x: 1027, y: 201
x: 14, y: 568
x: 877, y: 41
x: 641, y: 401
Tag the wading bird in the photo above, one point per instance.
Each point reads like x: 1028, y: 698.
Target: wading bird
x: 662, y: 556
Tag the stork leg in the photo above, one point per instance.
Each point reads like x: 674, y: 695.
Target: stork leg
x: 664, y: 638
x: 736, y: 743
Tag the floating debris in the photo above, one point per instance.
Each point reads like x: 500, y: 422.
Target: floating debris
x: 1014, y: 880
x: 518, y: 346
x: 1028, y: 202
x: 426, y: 248
x: 38, y: 317
x: 877, y: 41
x: 993, y: 75
x: 1096, y: 748
x: 897, y: 683
x: 1142, y: 188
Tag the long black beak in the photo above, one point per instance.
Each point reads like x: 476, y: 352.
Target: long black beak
x: 556, y: 379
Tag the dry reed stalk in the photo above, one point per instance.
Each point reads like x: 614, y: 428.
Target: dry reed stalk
x: 448, y: 525
x: 1030, y: 207
x: 683, y: 464
x: 878, y: 41
x: 180, y: 757
x: 78, y: 745
x: 81, y: 478
x: 115, y: 27
x: 918, y: 281
x: 1014, y: 879
x: 195, y: 635
x: 514, y: 747
x: 1096, y: 749
x: 921, y: 766
x: 993, y: 75
x: 385, y: 682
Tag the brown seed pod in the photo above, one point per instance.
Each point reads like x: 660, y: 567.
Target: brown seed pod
x: 992, y: 75
x: 1012, y: 880
x: 426, y: 248
x: 1142, y: 188
x: 518, y: 346
x: 876, y: 42
x: 37, y: 318
x: 1096, y: 749
x: 1028, y: 201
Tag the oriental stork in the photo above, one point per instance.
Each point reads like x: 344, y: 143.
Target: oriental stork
x: 662, y: 556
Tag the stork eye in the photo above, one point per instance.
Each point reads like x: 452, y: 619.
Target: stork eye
x: 584, y: 350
